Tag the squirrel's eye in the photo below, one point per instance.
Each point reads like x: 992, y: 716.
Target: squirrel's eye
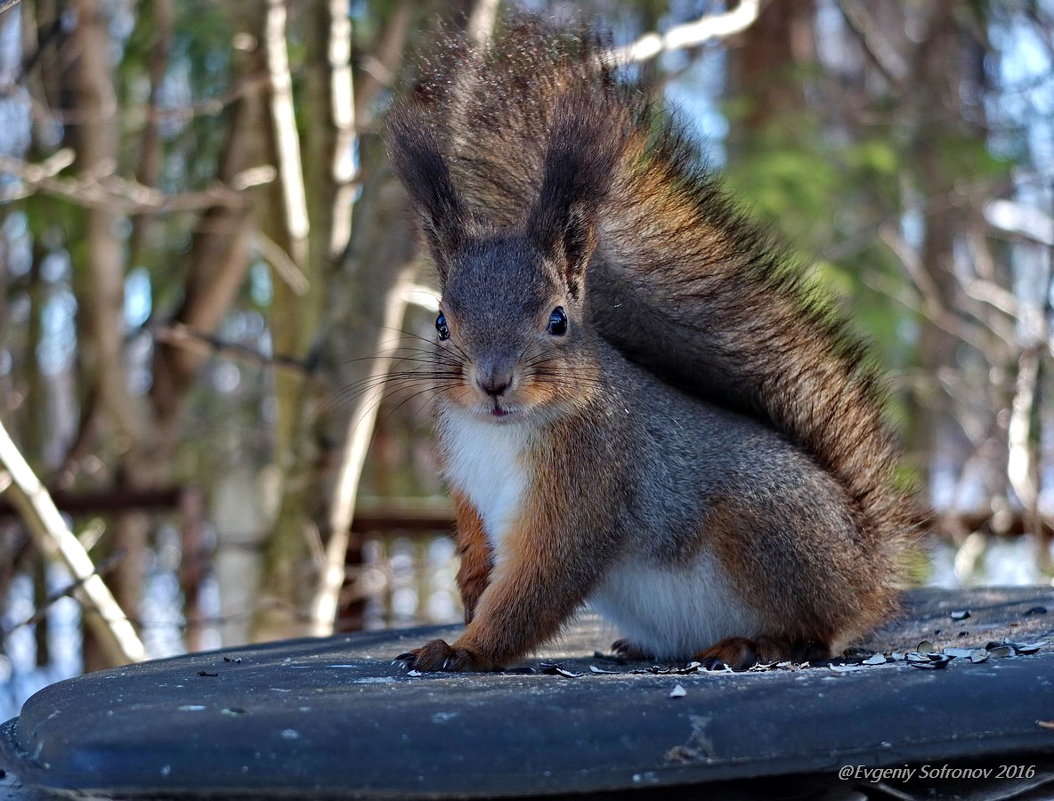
x: 442, y: 327
x: 558, y: 322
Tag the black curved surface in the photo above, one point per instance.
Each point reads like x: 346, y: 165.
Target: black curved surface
x: 335, y: 717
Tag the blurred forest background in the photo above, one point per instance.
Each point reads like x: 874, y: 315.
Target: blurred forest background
x: 207, y: 272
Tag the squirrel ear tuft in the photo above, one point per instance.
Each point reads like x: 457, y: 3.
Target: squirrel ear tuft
x: 417, y: 160
x: 567, y: 233
x: 587, y: 140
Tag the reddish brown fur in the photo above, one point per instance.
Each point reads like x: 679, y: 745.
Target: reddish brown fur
x: 473, y: 573
x: 804, y: 604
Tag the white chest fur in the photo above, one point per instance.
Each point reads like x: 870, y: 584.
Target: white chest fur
x: 486, y: 462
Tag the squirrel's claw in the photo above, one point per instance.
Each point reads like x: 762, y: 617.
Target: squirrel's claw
x: 712, y: 663
x: 437, y: 655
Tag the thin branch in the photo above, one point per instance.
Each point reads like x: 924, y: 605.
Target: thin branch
x: 690, y: 34
x: 876, y: 45
x: 909, y: 257
x: 183, y: 336
x: 207, y: 107
x: 985, y: 291
x: 933, y: 306
x: 1027, y: 222
x: 345, y: 488
x: 107, y: 191
x: 423, y: 297
x: 68, y: 591
x: 282, y: 263
x: 380, y: 67
x: 991, y: 294
x: 87, y: 426
x: 286, y: 138
x: 55, y: 540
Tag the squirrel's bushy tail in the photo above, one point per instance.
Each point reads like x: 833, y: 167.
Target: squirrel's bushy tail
x: 680, y: 281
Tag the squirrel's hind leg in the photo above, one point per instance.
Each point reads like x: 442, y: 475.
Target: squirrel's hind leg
x: 740, y: 653
x: 627, y: 649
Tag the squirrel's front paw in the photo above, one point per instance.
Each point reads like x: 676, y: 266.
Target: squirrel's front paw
x: 437, y: 655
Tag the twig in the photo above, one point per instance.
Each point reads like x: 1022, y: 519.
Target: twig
x: 183, y: 336
x: 107, y: 565
x: 87, y: 426
x: 55, y: 540
x: 381, y: 66
x: 690, y: 34
x: 109, y: 192
x: 933, y: 306
x: 424, y: 297
x: 1020, y: 220
x: 206, y: 107
x: 282, y: 263
x: 209, y: 106
x: 876, y: 46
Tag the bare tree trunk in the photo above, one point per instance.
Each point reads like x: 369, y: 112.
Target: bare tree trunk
x: 102, y: 315
x: 283, y: 219
x: 779, y: 41
x: 365, y: 330
x: 304, y: 563
x: 330, y: 141
x: 35, y: 428
x: 159, y: 15
x: 384, y: 257
x: 328, y: 168
x: 219, y: 253
x: 96, y: 142
x: 957, y: 402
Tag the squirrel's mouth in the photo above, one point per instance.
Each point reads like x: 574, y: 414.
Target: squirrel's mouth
x: 499, y: 412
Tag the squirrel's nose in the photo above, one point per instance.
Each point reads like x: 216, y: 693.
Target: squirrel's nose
x: 495, y: 386
x: 494, y: 382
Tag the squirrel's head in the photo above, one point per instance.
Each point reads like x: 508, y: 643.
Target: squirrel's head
x: 513, y: 336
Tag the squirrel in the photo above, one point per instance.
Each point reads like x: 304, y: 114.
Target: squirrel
x: 639, y: 401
